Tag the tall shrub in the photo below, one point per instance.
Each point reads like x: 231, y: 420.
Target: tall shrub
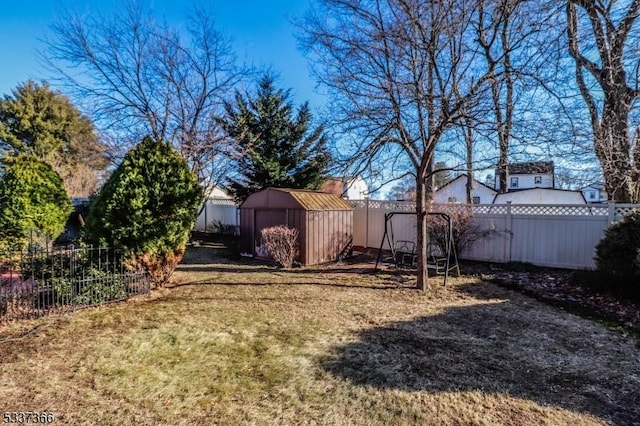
x: 148, y: 208
x: 617, y: 255
x: 465, y: 231
x: 32, y: 201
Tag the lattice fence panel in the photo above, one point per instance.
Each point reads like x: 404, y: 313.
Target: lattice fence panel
x: 398, y: 206
x: 624, y: 209
x: 220, y: 202
x: 489, y: 209
x: 559, y: 210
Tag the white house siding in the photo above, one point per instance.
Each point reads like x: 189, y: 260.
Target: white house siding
x: 527, y: 181
x: 357, y: 189
x: 540, y: 196
x: 456, y: 191
x: 594, y: 194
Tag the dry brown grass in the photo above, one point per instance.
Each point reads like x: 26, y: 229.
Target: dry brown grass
x: 238, y: 344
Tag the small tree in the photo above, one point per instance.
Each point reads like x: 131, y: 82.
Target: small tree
x: 281, y: 243
x: 618, y: 255
x: 32, y: 199
x: 148, y: 207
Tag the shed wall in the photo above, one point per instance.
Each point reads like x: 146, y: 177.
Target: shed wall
x: 324, y: 236
x: 329, y: 235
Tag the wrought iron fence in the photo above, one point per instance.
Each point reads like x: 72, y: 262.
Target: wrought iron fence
x: 44, y: 280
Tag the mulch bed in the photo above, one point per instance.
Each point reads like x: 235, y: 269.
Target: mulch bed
x: 556, y: 287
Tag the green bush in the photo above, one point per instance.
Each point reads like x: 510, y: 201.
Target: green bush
x: 32, y: 201
x: 148, y: 208
x: 99, y: 287
x: 617, y: 256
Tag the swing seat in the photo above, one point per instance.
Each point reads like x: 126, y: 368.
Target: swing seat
x: 436, y: 260
x: 404, y: 253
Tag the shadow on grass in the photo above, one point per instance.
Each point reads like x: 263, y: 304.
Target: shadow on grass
x: 251, y: 268
x: 519, y: 348
x: 266, y: 284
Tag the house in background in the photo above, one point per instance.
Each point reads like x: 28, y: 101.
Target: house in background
x: 595, y: 193
x: 540, y: 196
x: 532, y: 174
x: 350, y: 188
x: 456, y: 192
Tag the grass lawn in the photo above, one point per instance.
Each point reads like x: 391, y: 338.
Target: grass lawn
x: 238, y: 344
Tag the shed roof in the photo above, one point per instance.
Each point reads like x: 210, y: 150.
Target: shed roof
x: 531, y: 167
x: 541, y: 196
x: 306, y: 199
x: 464, y: 176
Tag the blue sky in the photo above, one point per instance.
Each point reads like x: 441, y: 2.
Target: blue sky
x: 261, y: 29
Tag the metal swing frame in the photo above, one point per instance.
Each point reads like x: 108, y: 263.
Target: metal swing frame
x: 439, y: 264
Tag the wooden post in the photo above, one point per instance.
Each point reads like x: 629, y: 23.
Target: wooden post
x: 612, y: 213
x: 509, y: 236
x: 366, y: 223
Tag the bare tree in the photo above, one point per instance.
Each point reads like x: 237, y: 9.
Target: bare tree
x: 603, y: 45
x: 519, y: 39
x: 468, y: 134
x: 402, y: 73
x: 139, y: 76
x: 497, y: 37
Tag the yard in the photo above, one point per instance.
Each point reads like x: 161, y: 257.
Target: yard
x: 245, y: 343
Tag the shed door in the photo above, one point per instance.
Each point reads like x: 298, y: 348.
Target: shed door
x: 266, y: 219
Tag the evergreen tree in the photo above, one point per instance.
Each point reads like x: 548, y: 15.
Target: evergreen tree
x: 37, y: 121
x: 148, y: 208
x: 277, y: 146
x: 32, y: 201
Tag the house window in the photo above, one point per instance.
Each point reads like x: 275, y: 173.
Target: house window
x: 537, y: 180
x: 476, y: 200
x: 514, y: 182
x: 452, y: 199
x: 592, y: 195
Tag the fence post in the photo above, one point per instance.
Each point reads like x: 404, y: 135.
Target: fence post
x: 612, y: 213
x: 206, y: 216
x: 366, y: 223
x: 509, y: 236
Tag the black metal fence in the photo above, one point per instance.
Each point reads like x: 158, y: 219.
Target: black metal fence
x: 42, y: 281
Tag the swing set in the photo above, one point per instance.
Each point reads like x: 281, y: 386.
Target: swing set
x: 403, y: 252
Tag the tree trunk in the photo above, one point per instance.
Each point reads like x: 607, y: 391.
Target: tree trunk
x: 613, y: 148
x: 424, y: 193
x: 468, y: 136
x: 422, y: 233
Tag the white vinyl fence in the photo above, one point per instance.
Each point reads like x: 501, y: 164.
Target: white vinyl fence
x: 217, y: 211
x: 562, y: 236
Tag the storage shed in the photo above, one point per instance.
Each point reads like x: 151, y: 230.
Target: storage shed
x: 324, y: 222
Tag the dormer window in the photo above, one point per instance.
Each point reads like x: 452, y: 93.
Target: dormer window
x: 514, y: 182
x: 537, y: 180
